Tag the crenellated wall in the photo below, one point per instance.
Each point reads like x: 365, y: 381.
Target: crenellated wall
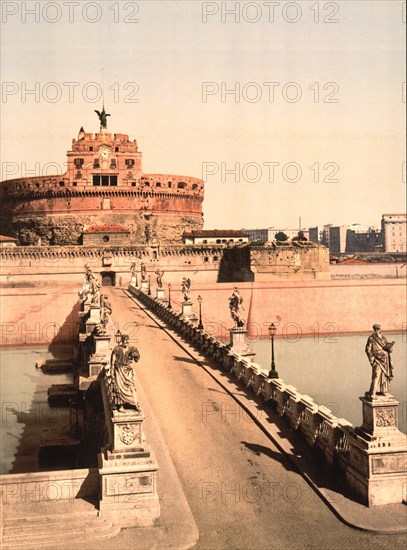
x: 104, y: 185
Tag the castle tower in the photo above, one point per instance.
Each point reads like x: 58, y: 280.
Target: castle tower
x: 104, y: 185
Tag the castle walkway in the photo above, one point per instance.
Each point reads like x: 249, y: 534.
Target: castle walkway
x: 242, y: 491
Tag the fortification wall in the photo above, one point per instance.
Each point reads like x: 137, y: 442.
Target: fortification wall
x: 53, y: 211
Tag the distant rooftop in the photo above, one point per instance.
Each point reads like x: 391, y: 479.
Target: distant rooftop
x: 215, y: 233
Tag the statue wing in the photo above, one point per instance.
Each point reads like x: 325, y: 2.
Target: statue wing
x: 98, y: 113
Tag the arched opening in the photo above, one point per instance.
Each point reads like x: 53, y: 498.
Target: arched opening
x: 108, y: 278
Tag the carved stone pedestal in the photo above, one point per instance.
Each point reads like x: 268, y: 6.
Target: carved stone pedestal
x: 128, y: 470
x: 187, y: 312
x: 160, y: 295
x: 378, y: 454
x: 102, y: 344
x: 144, y: 286
x: 238, y: 342
x: 94, y: 318
x: 134, y: 281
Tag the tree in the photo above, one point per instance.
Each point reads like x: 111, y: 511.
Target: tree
x: 281, y: 236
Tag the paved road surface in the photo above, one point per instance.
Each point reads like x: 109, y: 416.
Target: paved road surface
x: 243, y: 493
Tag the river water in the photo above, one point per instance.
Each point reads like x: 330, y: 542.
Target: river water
x: 24, y: 408
x: 334, y: 371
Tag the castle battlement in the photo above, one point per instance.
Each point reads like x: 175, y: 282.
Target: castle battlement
x: 104, y: 184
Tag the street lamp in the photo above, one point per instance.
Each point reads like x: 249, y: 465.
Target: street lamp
x: 169, y: 296
x: 118, y: 336
x: 272, y: 331
x: 200, y: 325
x: 149, y: 286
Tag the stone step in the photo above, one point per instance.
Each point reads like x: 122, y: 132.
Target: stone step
x: 56, y: 533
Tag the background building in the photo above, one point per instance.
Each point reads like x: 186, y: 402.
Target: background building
x: 215, y: 236
x: 363, y: 239
x: 394, y: 236
x: 257, y: 234
x: 104, y: 185
x: 272, y: 231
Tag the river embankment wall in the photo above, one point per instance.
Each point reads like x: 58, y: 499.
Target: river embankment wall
x: 47, y: 313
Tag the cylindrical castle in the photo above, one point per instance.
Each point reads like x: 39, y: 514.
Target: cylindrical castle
x: 104, y: 185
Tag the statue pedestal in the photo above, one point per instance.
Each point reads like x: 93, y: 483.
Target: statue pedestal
x: 134, y: 281
x: 160, y: 295
x: 187, y: 312
x: 101, y: 343
x: 128, y: 470
x: 378, y: 454
x: 145, y: 286
x: 238, y: 342
x: 93, y: 319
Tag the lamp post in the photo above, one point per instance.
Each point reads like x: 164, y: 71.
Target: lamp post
x: 149, y: 286
x: 118, y: 336
x: 272, y: 331
x: 200, y: 325
x: 169, y: 296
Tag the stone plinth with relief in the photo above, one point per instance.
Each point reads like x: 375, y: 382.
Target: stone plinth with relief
x: 238, y: 342
x: 128, y: 469
x: 378, y: 453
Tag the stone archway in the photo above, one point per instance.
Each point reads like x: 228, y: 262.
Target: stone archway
x: 108, y: 278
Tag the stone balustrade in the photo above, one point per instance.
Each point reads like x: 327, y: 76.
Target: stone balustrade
x: 320, y: 428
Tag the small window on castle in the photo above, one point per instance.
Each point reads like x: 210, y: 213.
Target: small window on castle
x: 133, y: 184
x: 106, y: 238
x: 116, y: 149
x: 90, y: 148
x: 74, y: 183
x: 169, y: 184
x: 129, y: 163
x: 113, y: 180
x: 215, y: 258
x: 96, y: 180
x: 105, y: 181
x: 96, y: 163
x: 205, y: 241
x: 181, y: 185
x: 158, y: 184
x: 206, y: 259
x: 79, y: 162
x: 218, y: 241
x: 62, y: 184
x: 194, y: 186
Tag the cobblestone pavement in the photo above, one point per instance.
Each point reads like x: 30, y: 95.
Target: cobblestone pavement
x: 243, y: 493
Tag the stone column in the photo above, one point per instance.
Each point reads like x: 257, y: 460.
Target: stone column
x: 378, y: 453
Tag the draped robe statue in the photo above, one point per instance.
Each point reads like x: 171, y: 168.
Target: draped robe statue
x: 124, y: 391
x: 378, y: 350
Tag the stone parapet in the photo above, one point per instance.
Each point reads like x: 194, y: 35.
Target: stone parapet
x: 377, y: 449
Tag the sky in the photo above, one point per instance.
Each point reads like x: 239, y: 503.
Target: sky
x: 285, y: 109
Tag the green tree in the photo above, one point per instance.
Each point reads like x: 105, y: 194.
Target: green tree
x: 281, y: 236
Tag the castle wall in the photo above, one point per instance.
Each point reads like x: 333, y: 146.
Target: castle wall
x: 59, y: 217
